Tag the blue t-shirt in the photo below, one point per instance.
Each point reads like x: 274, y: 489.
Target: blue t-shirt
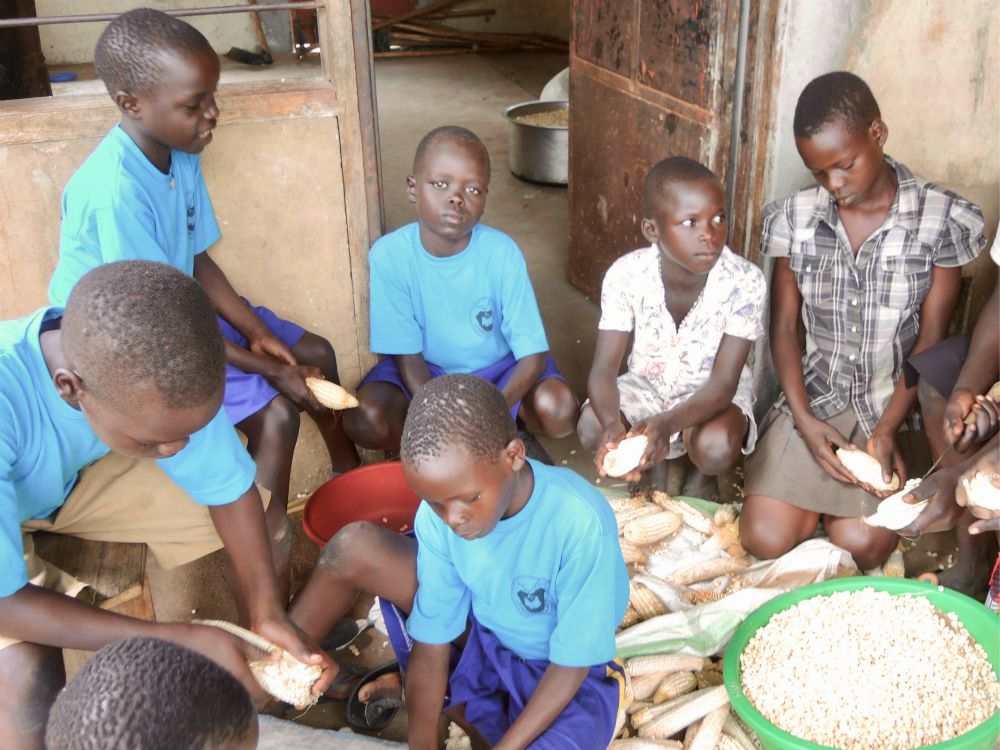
x: 118, y: 206
x: 462, y: 313
x: 550, y: 581
x: 45, y: 442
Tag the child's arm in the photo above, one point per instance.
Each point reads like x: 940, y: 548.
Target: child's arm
x: 553, y: 693
x: 786, y: 304
x: 935, y: 315
x: 426, y: 682
x: 705, y: 403
x: 602, y: 389
x: 978, y: 373
x: 526, y: 372
x: 413, y: 370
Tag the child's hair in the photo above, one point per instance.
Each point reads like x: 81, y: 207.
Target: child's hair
x: 129, y: 55
x: 455, y: 134
x: 667, y: 173
x: 456, y: 410
x: 148, y: 694
x: 839, y: 95
x: 139, y: 323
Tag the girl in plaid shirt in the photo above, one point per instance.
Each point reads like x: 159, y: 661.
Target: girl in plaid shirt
x: 872, y: 258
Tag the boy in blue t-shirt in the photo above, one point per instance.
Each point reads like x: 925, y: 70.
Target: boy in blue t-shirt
x: 141, y: 196
x: 134, y: 364
x: 451, y: 295
x: 515, y: 564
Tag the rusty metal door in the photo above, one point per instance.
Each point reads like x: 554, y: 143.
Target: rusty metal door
x: 648, y: 79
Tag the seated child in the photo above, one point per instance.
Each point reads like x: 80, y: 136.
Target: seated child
x: 872, y: 257
x: 952, y: 379
x: 141, y: 195
x: 449, y: 294
x: 694, y: 307
x: 516, y: 563
x: 134, y: 364
x: 148, y: 694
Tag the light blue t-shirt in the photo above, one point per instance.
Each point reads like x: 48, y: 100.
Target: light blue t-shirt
x: 118, y: 206
x: 550, y: 581
x: 45, y: 442
x: 462, y: 313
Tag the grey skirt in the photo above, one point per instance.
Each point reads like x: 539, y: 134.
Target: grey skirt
x: 783, y: 467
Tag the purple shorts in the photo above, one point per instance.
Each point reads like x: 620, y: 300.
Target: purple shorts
x: 248, y: 393
x: 495, y: 685
x: 498, y: 373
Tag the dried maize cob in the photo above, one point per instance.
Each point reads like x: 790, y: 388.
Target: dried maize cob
x: 710, y: 730
x: 894, y: 512
x: 733, y: 729
x: 727, y: 743
x: 691, y: 517
x: 725, y: 514
x: 645, y: 685
x: 708, y: 678
x: 723, y: 537
x: 624, y: 517
x: 646, y: 603
x: 670, y: 722
x: 650, y: 711
x: 982, y: 491
x: 287, y: 679
x: 618, y: 504
x: 637, y: 666
x: 331, y: 395
x: 703, y: 596
x: 631, y: 553
x: 689, y: 735
x: 651, y: 528
x: 626, y: 456
x: 631, y: 618
x: 673, y: 686
x: 638, y: 706
x: 894, y: 566
x: 639, y: 743
x: 866, y: 469
x: 707, y: 570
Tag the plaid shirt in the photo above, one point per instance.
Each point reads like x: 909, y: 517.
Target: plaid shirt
x: 862, y: 313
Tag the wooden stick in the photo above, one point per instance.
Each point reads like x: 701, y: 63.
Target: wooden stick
x: 425, y: 52
x: 446, y: 14
x: 479, y: 37
x: 258, y: 28
x: 441, y: 4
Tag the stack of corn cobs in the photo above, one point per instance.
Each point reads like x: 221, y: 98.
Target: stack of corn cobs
x: 667, y: 694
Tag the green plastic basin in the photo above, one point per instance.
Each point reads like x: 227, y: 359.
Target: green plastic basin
x: 982, y: 624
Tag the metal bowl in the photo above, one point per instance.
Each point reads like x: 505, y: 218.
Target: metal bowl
x: 536, y: 152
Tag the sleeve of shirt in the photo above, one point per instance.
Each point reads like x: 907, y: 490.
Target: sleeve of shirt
x: 118, y: 234
x: 522, y: 325
x: 585, y: 593
x: 213, y: 468
x: 394, y: 328
x: 13, y: 573
x: 442, y: 603
x: 964, y: 238
x: 776, y: 231
x: 746, y: 320
x: 617, y: 313
x: 206, y: 228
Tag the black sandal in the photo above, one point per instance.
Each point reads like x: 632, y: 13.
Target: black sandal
x: 377, y: 714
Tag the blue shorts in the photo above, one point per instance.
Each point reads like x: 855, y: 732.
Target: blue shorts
x: 495, y: 685
x: 498, y: 373
x: 248, y: 393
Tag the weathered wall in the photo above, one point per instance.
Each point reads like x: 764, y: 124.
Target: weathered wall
x: 551, y: 17
x: 284, y: 244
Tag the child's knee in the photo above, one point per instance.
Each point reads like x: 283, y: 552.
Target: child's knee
x: 556, y: 407
x: 869, y: 547
x: 715, y: 450
x: 370, y: 424
x: 588, y: 429
x: 30, y: 678
x: 317, y: 351
x: 765, y: 537
x: 345, y: 554
x: 281, y: 420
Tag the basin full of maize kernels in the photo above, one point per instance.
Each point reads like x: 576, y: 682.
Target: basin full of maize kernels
x: 981, y: 624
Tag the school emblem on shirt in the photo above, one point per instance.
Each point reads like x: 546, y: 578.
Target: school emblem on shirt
x: 482, y: 316
x: 190, y: 217
x: 531, y: 596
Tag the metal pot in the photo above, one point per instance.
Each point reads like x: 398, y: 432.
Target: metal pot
x: 535, y: 152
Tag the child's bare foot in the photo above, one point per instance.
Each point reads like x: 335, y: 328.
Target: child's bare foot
x: 385, y: 686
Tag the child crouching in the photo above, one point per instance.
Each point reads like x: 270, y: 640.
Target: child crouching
x: 516, y: 565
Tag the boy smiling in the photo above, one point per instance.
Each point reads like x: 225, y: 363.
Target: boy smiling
x: 872, y: 258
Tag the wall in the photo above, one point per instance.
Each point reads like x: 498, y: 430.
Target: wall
x: 551, y: 17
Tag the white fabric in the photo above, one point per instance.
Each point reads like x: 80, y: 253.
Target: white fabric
x: 277, y: 734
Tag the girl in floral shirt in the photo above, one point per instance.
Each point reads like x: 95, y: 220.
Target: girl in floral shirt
x: 694, y: 307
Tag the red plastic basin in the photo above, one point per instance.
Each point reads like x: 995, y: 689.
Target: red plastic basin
x: 376, y: 492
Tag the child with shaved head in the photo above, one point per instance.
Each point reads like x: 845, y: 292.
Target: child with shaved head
x: 514, y: 564
x: 694, y: 307
x: 134, y: 364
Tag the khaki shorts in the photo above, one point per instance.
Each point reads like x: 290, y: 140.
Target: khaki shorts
x: 121, y: 499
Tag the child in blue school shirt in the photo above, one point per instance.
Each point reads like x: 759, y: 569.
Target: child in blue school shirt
x: 451, y: 295
x: 515, y: 565
x: 141, y: 195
